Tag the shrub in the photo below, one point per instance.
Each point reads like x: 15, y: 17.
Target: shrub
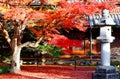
x: 4, y: 69
x: 116, y: 64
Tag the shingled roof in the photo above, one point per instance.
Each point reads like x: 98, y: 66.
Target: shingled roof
x: 114, y: 14
x: 92, y: 19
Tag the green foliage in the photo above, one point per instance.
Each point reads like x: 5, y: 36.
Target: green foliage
x: 8, y: 59
x: 4, y: 69
x: 45, y: 47
x: 56, y: 52
x: 44, y: 50
x: 36, y: 7
x: 49, y: 7
x: 115, y: 63
x: 50, y: 49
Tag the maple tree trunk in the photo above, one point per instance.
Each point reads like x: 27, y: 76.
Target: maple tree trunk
x: 15, y: 65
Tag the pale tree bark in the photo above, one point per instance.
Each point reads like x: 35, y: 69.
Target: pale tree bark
x: 30, y: 44
x: 15, y: 65
x: 16, y: 49
x: 16, y: 46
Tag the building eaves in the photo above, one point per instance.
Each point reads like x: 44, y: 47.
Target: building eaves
x: 95, y: 18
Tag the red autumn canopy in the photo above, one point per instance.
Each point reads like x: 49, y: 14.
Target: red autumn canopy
x: 65, y: 43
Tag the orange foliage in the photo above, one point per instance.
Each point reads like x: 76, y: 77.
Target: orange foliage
x: 35, y: 31
x: 65, y: 15
x: 16, y: 2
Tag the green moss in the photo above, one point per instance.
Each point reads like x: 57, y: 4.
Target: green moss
x: 4, y: 69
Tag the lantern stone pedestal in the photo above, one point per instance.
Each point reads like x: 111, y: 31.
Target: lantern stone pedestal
x: 105, y: 71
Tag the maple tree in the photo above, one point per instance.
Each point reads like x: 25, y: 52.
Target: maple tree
x: 65, y: 43
x: 52, y: 16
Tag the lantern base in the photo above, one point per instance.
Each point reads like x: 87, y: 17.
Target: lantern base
x: 105, y: 72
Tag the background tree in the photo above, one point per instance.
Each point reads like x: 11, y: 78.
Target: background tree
x: 44, y: 21
x: 65, y: 44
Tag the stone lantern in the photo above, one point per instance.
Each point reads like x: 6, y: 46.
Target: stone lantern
x: 105, y: 70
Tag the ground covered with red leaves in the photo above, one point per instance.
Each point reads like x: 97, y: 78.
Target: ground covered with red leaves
x: 51, y: 72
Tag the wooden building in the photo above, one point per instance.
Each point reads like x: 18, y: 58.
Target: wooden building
x: 90, y: 44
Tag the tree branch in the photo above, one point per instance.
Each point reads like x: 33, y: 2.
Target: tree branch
x: 6, y: 35
x: 31, y: 44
